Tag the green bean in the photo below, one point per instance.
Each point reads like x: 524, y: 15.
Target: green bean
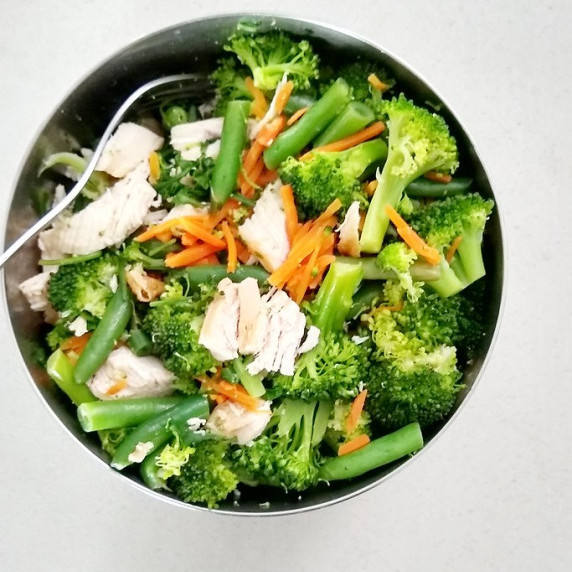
x: 149, y: 472
x: 252, y: 383
x: 298, y: 101
x: 364, y: 298
x: 71, y: 259
x: 379, y: 452
x: 195, y: 275
x: 140, y: 343
x: 232, y: 141
x: 115, y: 319
x: 423, y: 187
x: 174, y: 115
x: 98, y: 415
x: 419, y: 270
x: 157, y: 430
x: 313, y: 122
x: 61, y: 370
x: 353, y: 117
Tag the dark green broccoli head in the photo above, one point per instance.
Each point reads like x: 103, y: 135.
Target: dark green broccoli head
x: 228, y: 79
x: 269, y: 56
x: 207, y: 476
x: 84, y: 286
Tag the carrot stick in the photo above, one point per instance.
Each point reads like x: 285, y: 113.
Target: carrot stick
x: 163, y: 227
x: 334, y: 207
x: 247, y: 187
x: 188, y: 239
x: 259, y: 105
x: 267, y: 176
x: 453, y: 248
x: 296, y: 115
x: 231, y: 247
x: 190, y: 255
x: 76, y: 344
x: 438, y: 177
x: 411, y: 238
x: 222, y: 213
x: 283, y: 96
x: 154, y: 168
x: 209, y: 260
x: 370, y: 188
x: 116, y: 387
x: 199, y: 231
x: 377, y: 83
x: 235, y: 392
x: 353, y: 445
x: 271, y: 130
x: 321, y: 266
x: 252, y: 156
x: 351, y: 141
x: 290, y: 211
x: 242, y: 252
x: 355, y: 411
x: 306, y: 277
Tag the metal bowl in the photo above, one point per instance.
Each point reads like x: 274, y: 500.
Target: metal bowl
x: 82, y: 116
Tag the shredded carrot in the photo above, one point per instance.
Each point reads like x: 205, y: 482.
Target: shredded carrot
x: 438, y: 177
x: 252, y: 156
x: 453, y: 248
x: 216, y: 218
x: 306, y: 276
x: 411, y: 238
x: 290, y: 211
x: 235, y: 392
x: 267, y: 176
x: 320, y: 267
x: 351, y: 141
x: 370, y: 188
x: 154, y: 168
x: 259, y: 105
x: 231, y: 247
x: 164, y: 236
x: 116, y: 387
x: 271, y: 130
x: 209, y: 260
x: 353, y: 445
x: 188, y: 239
x: 248, y: 184
x: 190, y: 255
x: 76, y: 344
x: 242, y: 252
x: 377, y: 83
x: 296, y: 115
x: 334, y: 207
x: 355, y: 411
x: 199, y: 231
x: 164, y: 227
x: 283, y: 96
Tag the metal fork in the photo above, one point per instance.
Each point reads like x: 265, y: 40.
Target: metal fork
x: 147, y: 96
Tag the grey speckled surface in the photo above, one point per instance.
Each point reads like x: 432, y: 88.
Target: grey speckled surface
x: 493, y: 493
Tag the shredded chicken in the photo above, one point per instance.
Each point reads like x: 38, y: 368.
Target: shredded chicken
x: 194, y: 153
x: 124, y: 374
x: 233, y: 420
x: 271, y: 113
x: 184, y: 210
x: 145, y: 287
x: 142, y: 449
x: 35, y: 290
x: 78, y: 326
x: 186, y: 136
x: 253, y: 317
x: 105, y: 222
x: 265, y: 231
x: 349, y: 232
x: 130, y: 145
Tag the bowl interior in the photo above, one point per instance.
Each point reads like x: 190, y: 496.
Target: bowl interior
x: 83, y: 115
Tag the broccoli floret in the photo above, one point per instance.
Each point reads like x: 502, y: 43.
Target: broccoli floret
x: 206, y: 477
x: 150, y: 254
x: 173, y: 323
x: 228, y: 79
x: 58, y: 334
x: 414, y: 376
x: 419, y: 141
x: 112, y: 438
x: 441, y: 222
x: 286, y: 454
x: 84, y: 286
x: 337, y: 432
x: 181, y: 181
x: 269, y: 56
x: 328, y: 175
x: 397, y: 257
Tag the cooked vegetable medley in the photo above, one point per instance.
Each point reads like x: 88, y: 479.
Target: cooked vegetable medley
x: 274, y: 286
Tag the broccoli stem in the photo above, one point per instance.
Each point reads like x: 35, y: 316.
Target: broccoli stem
x: 379, y: 452
x: 365, y: 297
x: 449, y: 283
x: 195, y: 275
x: 314, y: 121
x: 98, y: 415
x: 352, y: 118
x: 471, y: 255
x: 71, y: 259
x: 61, y: 370
x: 232, y: 141
x: 252, y: 383
x: 334, y: 298
x: 389, y: 192
x: 420, y: 271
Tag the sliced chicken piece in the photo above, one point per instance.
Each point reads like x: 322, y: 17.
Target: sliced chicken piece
x: 190, y: 135
x: 78, y: 326
x: 349, y: 232
x: 130, y: 145
x: 35, y: 290
x: 145, y: 287
x: 271, y: 113
x: 105, y: 222
x: 253, y: 317
x: 311, y: 341
x: 184, y: 210
x: 219, y: 332
x: 265, y: 231
x: 124, y: 375
x: 234, y: 421
x: 194, y: 153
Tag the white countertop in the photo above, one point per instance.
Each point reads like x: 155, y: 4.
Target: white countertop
x: 493, y: 493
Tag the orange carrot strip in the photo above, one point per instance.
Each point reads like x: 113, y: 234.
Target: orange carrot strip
x: 259, y: 105
x: 235, y: 392
x: 453, y: 248
x: 296, y: 115
x: 306, y: 276
x: 164, y: 236
x: 190, y: 255
x: 438, y: 177
x: 242, y: 252
x: 209, y: 260
x: 353, y: 445
x: 375, y: 82
x: 290, y: 211
x: 154, y: 168
x: 222, y: 213
x: 334, y: 207
x: 355, y: 411
x: 231, y: 247
x: 252, y: 156
x: 283, y: 96
x: 157, y: 229
x: 116, y: 387
x: 321, y: 266
x: 188, y: 239
x: 76, y: 344
x: 199, y: 231
x: 249, y: 179
x: 351, y: 140
x: 271, y: 130
x: 370, y: 188
x: 267, y: 176
x: 412, y: 239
